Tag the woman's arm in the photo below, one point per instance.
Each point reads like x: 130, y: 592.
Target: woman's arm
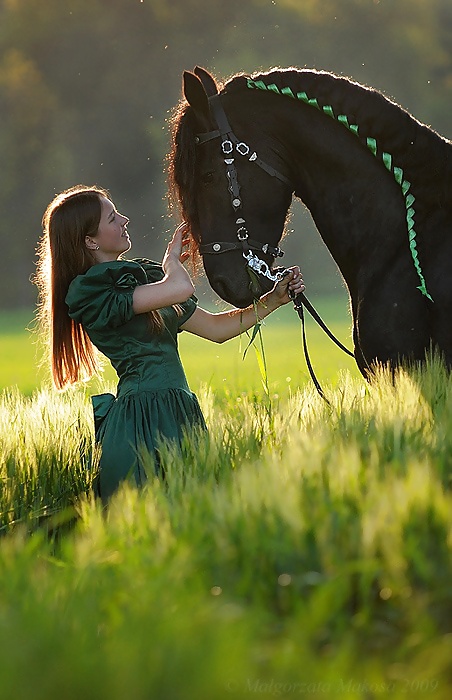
x: 229, y: 324
x: 176, y: 287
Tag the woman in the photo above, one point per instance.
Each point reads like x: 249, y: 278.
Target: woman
x: 132, y: 311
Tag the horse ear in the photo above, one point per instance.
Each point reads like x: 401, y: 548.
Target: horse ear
x: 207, y: 80
x: 196, y: 96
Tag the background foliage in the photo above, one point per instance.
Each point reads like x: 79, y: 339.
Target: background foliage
x: 87, y: 87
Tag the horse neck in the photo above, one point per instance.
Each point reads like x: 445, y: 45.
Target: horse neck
x: 341, y: 186
x: 353, y: 194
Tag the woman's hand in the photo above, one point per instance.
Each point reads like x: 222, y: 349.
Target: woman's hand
x: 229, y: 324
x: 175, y: 254
x: 176, y: 286
x: 292, y: 281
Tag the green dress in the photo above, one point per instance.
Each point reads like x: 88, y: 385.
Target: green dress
x: 153, y: 398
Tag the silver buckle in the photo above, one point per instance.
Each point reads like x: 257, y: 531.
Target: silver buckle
x: 242, y: 148
x: 261, y: 267
x: 227, y: 147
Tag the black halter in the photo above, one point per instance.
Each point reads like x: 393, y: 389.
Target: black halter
x: 229, y: 144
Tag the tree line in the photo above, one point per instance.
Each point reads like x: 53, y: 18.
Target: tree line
x: 87, y: 88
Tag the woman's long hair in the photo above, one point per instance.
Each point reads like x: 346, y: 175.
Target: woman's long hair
x: 62, y: 255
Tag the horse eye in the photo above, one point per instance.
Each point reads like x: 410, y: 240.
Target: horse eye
x: 207, y: 178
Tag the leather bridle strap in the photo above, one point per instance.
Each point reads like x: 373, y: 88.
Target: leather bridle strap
x: 230, y: 145
x: 226, y: 133
x: 217, y: 248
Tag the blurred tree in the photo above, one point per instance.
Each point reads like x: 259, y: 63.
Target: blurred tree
x: 87, y: 88
x: 402, y: 47
x: 26, y: 147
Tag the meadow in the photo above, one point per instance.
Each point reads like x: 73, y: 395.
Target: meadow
x: 222, y: 367
x: 298, y: 550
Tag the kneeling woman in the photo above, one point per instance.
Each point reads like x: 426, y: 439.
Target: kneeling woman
x: 132, y: 311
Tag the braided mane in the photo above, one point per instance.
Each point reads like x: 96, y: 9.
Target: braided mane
x: 377, y: 115
x: 380, y: 120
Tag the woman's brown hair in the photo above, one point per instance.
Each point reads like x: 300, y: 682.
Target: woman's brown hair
x: 62, y: 255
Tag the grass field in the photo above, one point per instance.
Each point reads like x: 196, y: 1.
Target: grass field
x: 220, y: 366
x: 297, y: 550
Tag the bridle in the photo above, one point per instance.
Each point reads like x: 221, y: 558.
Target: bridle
x: 229, y: 142
x: 230, y: 145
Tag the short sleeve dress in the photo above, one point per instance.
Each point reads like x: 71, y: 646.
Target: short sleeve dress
x: 153, y: 399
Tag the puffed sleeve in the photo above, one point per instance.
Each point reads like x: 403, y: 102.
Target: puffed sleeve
x: 103, y: 296
x: 154, y: 270
x: 188, y: 308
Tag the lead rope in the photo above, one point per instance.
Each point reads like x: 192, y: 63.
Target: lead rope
x: 300, y: 312
x: 299, y: 302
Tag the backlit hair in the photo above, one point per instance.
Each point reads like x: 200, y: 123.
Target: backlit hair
x: 62, y: 255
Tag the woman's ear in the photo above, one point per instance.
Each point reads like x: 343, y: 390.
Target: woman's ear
x: 90, y: 244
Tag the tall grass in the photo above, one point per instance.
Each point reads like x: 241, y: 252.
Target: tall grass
x: 46, y: 455
x: 304, y: 551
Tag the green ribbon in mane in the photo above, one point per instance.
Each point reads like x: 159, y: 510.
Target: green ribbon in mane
x: 373, y: 148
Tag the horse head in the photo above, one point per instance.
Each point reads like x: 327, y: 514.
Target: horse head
x: 230, y: 177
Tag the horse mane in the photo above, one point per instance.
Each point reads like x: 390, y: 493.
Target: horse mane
x: 181, y: 170
x: 181, y: 166
x: 377, y: 115
x: 379, y: 118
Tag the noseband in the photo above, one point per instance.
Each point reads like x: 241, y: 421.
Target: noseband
x: 229, y: 144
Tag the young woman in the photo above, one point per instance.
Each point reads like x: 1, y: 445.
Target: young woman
x: 132, y: 311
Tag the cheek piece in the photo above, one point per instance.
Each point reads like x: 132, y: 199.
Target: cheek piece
x: 230, y: 146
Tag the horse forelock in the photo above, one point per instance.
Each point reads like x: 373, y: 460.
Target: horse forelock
x: 181, y: 169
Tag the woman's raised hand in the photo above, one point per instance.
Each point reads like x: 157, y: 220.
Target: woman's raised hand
x: 175, y: 253
x: 176, y: 286
x: 175, y: 256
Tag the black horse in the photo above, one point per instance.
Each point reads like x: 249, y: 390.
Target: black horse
x: 377, y: 182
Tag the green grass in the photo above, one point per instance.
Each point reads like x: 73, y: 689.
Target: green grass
x: 297, y: 550
x: 19, y: 351
x: 286, y: 367
x: 220, y: 366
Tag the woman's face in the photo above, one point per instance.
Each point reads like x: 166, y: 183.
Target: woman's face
x: 112, y: 238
